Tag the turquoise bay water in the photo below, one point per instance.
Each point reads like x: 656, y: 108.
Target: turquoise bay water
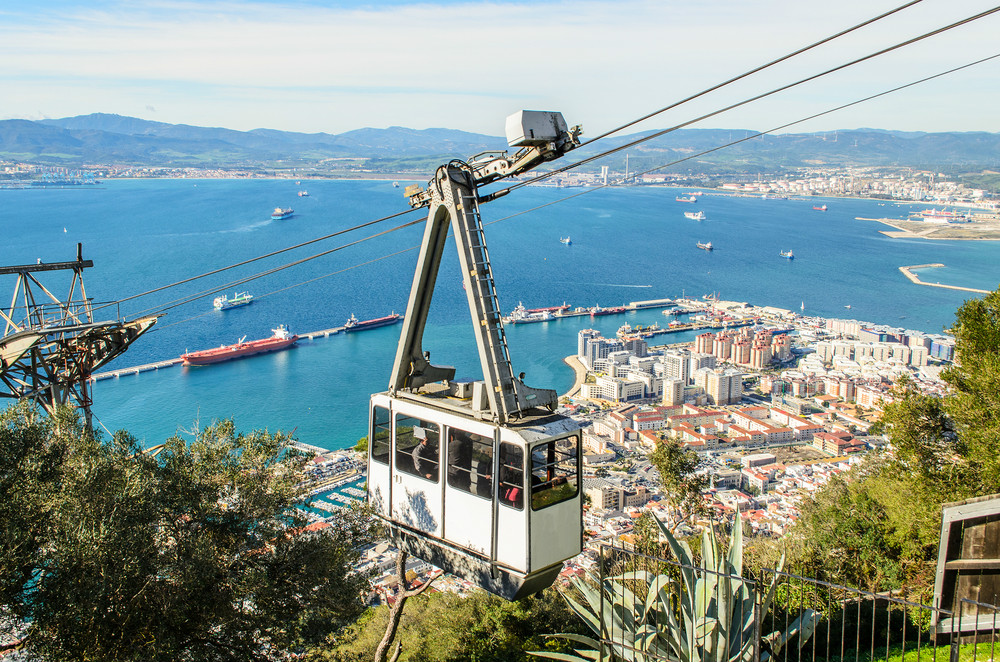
x: 628, y: 244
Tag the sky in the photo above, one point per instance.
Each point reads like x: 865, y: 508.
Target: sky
x: 333, y: 66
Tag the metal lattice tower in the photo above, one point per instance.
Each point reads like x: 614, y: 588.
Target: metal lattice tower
x: 51, y: 346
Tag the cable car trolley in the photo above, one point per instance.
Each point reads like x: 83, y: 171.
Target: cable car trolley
x: 480, y: 478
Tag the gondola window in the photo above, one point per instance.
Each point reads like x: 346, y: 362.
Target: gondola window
x: 418, y: 447
x: 511, y: 476
x: 470, y: 462
x: 554, y: 472
x: 381, y: 434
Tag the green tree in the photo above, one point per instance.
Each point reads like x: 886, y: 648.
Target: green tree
x: 681, y: 486
x: 196, y: 552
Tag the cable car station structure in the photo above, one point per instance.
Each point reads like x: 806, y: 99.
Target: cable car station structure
x: 50, y: 347
x: 481, y: 479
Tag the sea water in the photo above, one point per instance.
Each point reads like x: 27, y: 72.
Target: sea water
x: 628, y: 244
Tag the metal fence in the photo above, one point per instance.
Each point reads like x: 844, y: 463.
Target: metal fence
x: 657, y: 609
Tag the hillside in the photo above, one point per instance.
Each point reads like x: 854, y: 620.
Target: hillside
x: 116, y: 140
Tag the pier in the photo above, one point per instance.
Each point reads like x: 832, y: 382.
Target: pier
x: 916, y: 279
x: 135, y: 370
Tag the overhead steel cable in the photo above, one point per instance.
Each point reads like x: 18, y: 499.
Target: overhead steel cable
x: 577, y: 164
x: 757, y: 135
x: 753, y: 136
x: 256, y: 259
x: 751, y: 72
x: 592, y: 140
x: 188, y: 299
x: 738, y: 104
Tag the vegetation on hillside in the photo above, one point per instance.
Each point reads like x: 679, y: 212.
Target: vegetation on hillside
x: 448, y: 626
x: 197, y: 553
x: 878, y: 527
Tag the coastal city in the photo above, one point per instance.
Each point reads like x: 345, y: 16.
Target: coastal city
x: 773, y: 402
x: 889, y: 183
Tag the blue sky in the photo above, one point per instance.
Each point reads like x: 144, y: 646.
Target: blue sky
x: 335, y: 66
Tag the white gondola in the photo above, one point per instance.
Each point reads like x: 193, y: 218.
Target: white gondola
x: 479, y: 478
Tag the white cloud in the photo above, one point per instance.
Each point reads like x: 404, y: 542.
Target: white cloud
x: 299, y: 67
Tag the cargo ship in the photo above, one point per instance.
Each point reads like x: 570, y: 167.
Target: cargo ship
x: 788, y: 255
x: 280, y: 214
x: 689, y: 198
x: 705, y: 246
x: 280, y: 340
x: 239, y: 299
x: 820, y: 208
x: 597, y: 311
x: 353, y: 324
x: 522, y: 315
x: 695, y: 215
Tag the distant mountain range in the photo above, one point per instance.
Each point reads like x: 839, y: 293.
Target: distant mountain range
x: 116, y: 140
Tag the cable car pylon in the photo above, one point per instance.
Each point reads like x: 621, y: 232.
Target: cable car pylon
x: 479, y: 478
x: 51, y: 346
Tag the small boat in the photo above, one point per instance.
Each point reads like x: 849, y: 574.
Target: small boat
x: 788, y: 255
x: 353, y: 324
x: 280, y: 214
x: 395, y: 185
x: 303, y: 194
x: 239, y: 299
x: 820, y: 208
x: 695, y: 215
x: 689, y: 198
x: 280, y: 339
x: 565, y: 240
x: 705, y: 246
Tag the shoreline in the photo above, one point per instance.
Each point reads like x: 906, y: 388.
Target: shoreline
x: 579, y: 376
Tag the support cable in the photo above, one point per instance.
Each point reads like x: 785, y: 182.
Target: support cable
x: 759, y: 134
x: 588, y: 142
x: 763, y: 95
x: 572, y: 165
x: 255, y: 259
x: 589, y: 190
x: 188, y: 299
x: 751, y: 72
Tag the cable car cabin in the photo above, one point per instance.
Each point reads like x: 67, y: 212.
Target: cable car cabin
x: 486, y: 487
x: 497, y: 505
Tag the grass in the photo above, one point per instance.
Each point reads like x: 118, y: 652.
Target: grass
x: 927, y: 652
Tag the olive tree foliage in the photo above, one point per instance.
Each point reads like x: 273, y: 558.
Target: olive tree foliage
x: 194, y: 553
x: 681, y: 486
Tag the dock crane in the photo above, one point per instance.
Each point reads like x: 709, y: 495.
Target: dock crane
x: 481, y: 479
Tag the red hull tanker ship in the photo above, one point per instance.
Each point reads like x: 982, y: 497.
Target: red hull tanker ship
x: 280, y: 340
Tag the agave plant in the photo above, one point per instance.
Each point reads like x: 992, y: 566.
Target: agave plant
x: 709, y: 615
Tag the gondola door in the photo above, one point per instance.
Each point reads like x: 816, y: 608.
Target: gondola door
x: 469, y: 489
x: 380, y: 456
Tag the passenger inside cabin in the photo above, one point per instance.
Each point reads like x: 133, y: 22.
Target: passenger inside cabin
x: 424, y: 455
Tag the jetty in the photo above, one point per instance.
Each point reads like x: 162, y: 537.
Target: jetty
x: 916, y: 279
x: 135, y: 370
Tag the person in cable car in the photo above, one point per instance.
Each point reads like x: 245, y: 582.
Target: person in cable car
x: 424, y: 455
